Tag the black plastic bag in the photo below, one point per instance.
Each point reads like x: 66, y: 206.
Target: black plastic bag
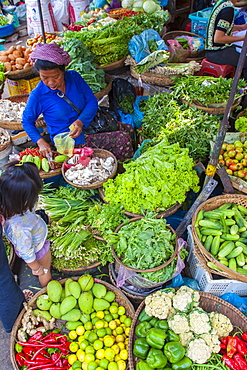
x: 105, y: 120
x: 121, y: 88
x: 201, y: 4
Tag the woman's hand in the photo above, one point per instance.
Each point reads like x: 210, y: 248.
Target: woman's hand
x: 78, y: 125
x: 44, y: 147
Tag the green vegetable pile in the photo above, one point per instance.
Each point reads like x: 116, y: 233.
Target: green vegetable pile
x: 205, y: 90
x: 83, y: 63
x: 3, y: 21
x: 127, y: 103
x: 152, y: 60
x: 2, y: 74
x: 110, y: 43
x: 155, y: 181
x: 190, y: 127
x: 145, y: 244
x: 241, y: 124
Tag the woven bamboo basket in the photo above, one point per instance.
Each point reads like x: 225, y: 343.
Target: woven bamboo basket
x: 118, y: 260
x: 118, y: 64
x: 193, y: 55
x: 51, y: 173
x: 120, y: 298
x: 99, y: 95
x: 208, y: 303
x: 163, y: 214
x: 210, y: 205
x: 14, y: 125
x: 214, y: 111
x: 23, y: 73
x: 102, y: 153
x: 7, y: 137
x: 120, y: 13
x: 153, y: 78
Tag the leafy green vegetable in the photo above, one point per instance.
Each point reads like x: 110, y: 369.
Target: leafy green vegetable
x: 241, y: 124
x: 152, y: 60
x: 155, y: 181
x: 127, y: 103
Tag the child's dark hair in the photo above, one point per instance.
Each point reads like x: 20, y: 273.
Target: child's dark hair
x: 20, y: 186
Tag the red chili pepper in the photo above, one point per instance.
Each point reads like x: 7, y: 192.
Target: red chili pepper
x: 28, y: 350
x: 20, y: 358
x: 231, y: 347
x: 240, y: 361
x: 241, y: 347
x: 49, y: 367
x: 36, y: 337
x: 222, y: 345
x: 244, y: 336
x: 230, y: 363
x: 224, y: 340
x: 26, y: 344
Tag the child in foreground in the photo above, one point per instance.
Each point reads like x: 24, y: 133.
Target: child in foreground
x: 20, y: 185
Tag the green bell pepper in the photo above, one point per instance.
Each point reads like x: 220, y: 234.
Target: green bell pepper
x: 174, y: 352
x: 156, y: 359
x: 154, y: 321
x: 141, y: 348
x: 162, y: 324
x: 156, y: 338
x: 172, y: 337
x: 142, y: 365
x: 142, y: 329
x: 144, y: 316
x: 184, y: 364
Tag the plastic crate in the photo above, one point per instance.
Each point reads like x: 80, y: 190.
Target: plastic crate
x: 199, y: 21
x: 217, y: 287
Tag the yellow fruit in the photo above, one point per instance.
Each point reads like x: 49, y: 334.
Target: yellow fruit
x: 80, y: 354
x: 100, y: 314
x: 120, y: 338
x: 121, y: 365
x: 84, y: 366
x: 121, y: 310
x: 118, y: 321
x: 80, y: 339
x: 121, y: 345
x: 114, y: 333
x: 73, y: 347
x: 89, y: 357
x: 113, y: 309
x: 119, y: 330
x: 80, y: 330
x: 123, y: 354
x: 127, y: 332
x: 99, y: 324
x: 109, y: 354
x: 109, y: 340
x: 112, y: 366
x: 100, y: 353
x: 72, y: 334
x: 98, y: 344
x: 122, y: 318
x: 89, y: 349
x: 115, y: 348
x: 72, y: 359
x: 117, y: 358
x: 112, y: 324
x: 88, y: 325
x: 105, y: 324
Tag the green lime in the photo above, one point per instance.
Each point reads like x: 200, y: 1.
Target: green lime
x: 101, y: 332
x: 84, y: 343
x: 92, y: 337
x: 108, y: 331
x: 92, y: 365
x: 94, y: 320
x: 76, y: 365
x: 104, y: 363
x: 88, y: 325
x: 89, y: 349
x: 86, y: 334
x: 108, y: 317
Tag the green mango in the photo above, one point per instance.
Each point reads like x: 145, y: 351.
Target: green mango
x: 45, y: 314
x: 66, y: 287
x: 110, y: 296
x: 24, y: 158
x: 85, y: 317
x: 99, y: 290
x: 72, y: 325
x: 100, y: 304
x: 60, y: 158
x: 55, y: 310
x: 29, y: 158
x: 43, y: 302
x: 86, y: 282
x: 67, y: 304
x: 75, y: 289
x: 37, y: 161
x: 45, y: 165
x: 86, y: 303
x: 54, y: 290
x: 72, y: 315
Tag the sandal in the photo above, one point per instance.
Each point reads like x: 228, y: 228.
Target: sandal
x: 28, y: 294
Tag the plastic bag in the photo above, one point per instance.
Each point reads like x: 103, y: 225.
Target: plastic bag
x: 177, y: 53
x: 235, y: 300
x: 179, y: 280
x: 64, y: 143
x: 125, y: 275
x: 105, y: 120
x: 139, y: 44
x: 80, y: 155
x: 61, y: 13
x: 138, y: 115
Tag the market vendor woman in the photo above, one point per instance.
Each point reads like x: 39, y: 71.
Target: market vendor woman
x: 47, y: 98
x: 219, y: 48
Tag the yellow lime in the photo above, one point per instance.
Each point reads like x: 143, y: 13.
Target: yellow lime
x: 72, y: 359
x: 84, y: 344
x: 121, y: 310
x: 112, y: 366
x: 127, y: 322
x: 80, y: 330
x: 119, y: 330
x: 94, y: 320
x: 115, y: 304
x: 114, y: 333
x: 84, y: 365
x: 72, y: 334
x: 108, y: 331
x: 108, y: 317
x: 100, y: 353
x: 89, y: 357
x: 127, y: 331
x: 104, y: 363
x: 80, y: 338
x: 99, y: 324
x: 109, y: 340
x: 121, y: 365
x: 121, y: 345
x: 112, y: 324
x: 88, y: 325
x: 73, y: 347
x: 76, y: 365
x: 122, y: 318
x: 115, y: 348
x: 89, y: 349
x: 113, y: 309
x: 92, y: 337
x: 120, y: 338
x: 100, y: 314
x: 101, y: 332
x: 106, y: 324
x: 98, y: 344
x: 80, y: 354
x: 118, y: 321
x: 109, y: 354
x: 92, y: 365
x: 99, y: 368
x: 117, y: 358
x: 123, y: 354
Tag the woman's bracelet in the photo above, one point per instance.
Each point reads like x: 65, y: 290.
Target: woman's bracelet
x: 36, y: 272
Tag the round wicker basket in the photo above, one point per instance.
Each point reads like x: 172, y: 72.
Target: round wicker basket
x: 101, y: 153
x: 208, y: 303
x: 153, y: 78
x: 23, y: 73
x: 210, y: 205
x: 99, y: 95
x: 214, y: 111
x: 118, y: 260
x: 51, y: 173
x: 120, y: 298
x: 163, y: 214
x: 7, y: 138
x: 118, y: 64
x: 120, y: 12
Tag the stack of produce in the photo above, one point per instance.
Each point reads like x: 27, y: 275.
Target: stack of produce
x: 49, y: 37
x: 223, y: 233
x: 174, y: 332
x: 11, y: 111
x: 15, y: 58
x: 234, y: 158
x: 241, y: 122
x: 155, y: 181
x: 110, y: 43
x: 33, y: 155
x: 148, y: 6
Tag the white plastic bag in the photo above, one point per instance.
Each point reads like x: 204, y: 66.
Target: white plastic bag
x: 61, y: 13
x: 76, y: 8
x: 33, y: 19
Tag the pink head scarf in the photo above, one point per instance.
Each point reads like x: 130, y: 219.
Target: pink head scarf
x: 51, y: 53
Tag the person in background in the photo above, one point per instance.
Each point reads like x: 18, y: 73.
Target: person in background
x: 20, y: 185
x: 219, y: 39
x: 47, y: 98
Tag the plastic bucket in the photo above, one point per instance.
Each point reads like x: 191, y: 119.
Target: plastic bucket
x: 4, y: 155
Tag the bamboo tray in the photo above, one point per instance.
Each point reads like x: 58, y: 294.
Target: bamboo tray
x: 17, y: 75
x: 153, y: 78
x: 118, y: 64
x: 120, y: 298
x: 210, y: 205
x: 208, y: 303
x: 99, y: 95
x: 211, y: 110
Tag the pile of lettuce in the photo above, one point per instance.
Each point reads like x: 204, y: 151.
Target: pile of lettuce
x: 155, y: 181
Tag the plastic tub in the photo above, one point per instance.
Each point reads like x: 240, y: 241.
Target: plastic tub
x: 7, y: 30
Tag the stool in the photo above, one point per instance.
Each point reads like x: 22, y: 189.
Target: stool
x: 216, y: 70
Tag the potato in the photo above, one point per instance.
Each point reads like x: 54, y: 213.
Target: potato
x: 17, y: 54
x: 19, y: 47
x: 11, y: 49
x: 3, y: 52
x: 4, y: 58
x: 11, y: 57
x: 19, y: 66
x: 8, y: 66
x: 20, y: 61
x: 27, y: 65
x: 27, y: 53
x: 12, y: 62
x: 14, y: 68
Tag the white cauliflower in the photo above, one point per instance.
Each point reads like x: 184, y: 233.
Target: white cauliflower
x: 158, y: 304
x: 199, y: 321
x: 170, y: 292
x: 179, y: 323
x: 185, y: 299
x: 185, y: 338
x: 212, y: 340
x: 198, y: 351
x: 221, y: 324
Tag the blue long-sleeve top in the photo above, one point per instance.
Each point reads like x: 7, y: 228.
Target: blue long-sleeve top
x: 57, y: 113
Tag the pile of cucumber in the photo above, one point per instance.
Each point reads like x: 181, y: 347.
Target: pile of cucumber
x: 223, y: 233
